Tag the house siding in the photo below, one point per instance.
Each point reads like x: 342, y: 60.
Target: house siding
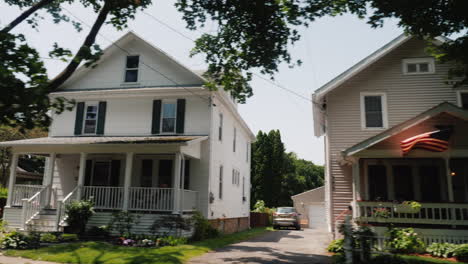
x: 403, y: 92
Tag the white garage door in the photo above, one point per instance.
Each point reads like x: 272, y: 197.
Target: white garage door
x: 317, y: 217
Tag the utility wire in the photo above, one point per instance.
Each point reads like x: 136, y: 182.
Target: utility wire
x: 142, y: 62
x: 258, y: 75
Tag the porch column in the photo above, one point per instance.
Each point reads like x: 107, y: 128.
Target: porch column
x: 49, y: 177
x: 12, y: 180
x: 128, y: 179
x: 81, y: 173
x: 356, y: 187
x: 177, y: 174
x: 449, y: 179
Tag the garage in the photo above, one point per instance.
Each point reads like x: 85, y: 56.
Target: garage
x: 317, y: 217
x: 311, y: 207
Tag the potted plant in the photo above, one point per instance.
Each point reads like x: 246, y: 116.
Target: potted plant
x: 407, y: 207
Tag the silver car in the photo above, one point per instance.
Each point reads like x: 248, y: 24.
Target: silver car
x: 286, y: 217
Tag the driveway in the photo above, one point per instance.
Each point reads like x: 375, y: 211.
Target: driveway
x: 283, y: 246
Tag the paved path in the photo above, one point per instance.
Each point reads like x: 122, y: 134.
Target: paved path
x: 15, y: 260
x: 284, y: 246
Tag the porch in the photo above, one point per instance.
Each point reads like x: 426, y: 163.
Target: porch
x: 161, y: 179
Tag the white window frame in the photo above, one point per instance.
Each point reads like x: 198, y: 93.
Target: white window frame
x: 384, y: 110
x: 234, y: 140
x: 429, y: 60
x: 221, y: 180
x: 84, y: 117
x: 162, y: 117
x: 126, y: 69
x: 459, y: 97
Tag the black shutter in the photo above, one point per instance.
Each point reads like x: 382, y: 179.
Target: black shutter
x: 88, y: 170
x: 115, y: 173
x: 156, y: 117
x: 101, y: 118
x: 79, y: 118
x: 180, y: 116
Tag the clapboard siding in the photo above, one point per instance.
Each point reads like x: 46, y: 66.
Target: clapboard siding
x: 142, y: 227
x: 407, y: 96
x: 12, y: 216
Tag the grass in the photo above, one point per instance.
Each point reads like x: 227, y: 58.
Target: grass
x: 106, y: 253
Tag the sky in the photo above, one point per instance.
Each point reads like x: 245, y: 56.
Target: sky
x: 328, y: 47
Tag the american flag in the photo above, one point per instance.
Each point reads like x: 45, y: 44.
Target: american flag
x: 436, y: 141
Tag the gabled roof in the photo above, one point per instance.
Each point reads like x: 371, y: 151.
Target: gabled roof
x: 444, y: 107
x: 318, y: 189
x: 117, y: 46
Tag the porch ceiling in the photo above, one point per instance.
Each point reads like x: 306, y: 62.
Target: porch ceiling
x: 178, y: 140
x: 444, y: 107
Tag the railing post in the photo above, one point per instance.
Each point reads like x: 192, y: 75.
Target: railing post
x: 12, y: 179
x: 23, y: 213
x: 128, y: 179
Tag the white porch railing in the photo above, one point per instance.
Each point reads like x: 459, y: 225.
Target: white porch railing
x: 103, y: 197
x: 61, y: 205
x: 33, y: 205
x: 151, y: 199
x: 189, y: 200
x: 23, y: 191
x: 430, y: 213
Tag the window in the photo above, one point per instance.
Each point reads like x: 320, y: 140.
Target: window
x: 146, y: 173
x: 418, y: 66
x: 221, y: 182
x: 165, y: 173
x: 234, y: 140
x: 377, y: 178
x: 131, y: 68
x: 90, y: 119
x: 373, y: 110
x: 220, y: 128
x: 235, y: 177
x: 463, y: 99
x: 403, y: 180
x: 243, y: 189
x: 168, y: 124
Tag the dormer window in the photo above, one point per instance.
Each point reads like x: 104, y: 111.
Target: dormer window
x: 131, y: 68
x: 168, y: 117
x: 418, y: 66
x: 90, y: 119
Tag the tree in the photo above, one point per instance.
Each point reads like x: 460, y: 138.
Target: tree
x: 277, y: 175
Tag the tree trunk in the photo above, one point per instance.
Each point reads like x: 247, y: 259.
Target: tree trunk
x: 80, y: 55
x: 25, y: 15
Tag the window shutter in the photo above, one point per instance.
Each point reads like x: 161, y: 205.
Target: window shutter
x: 79, y: 118
x: 156, y: 117
x: 115, y: 172
x: 101, y: 118
x: 180, y: 116
x: 88, y: 170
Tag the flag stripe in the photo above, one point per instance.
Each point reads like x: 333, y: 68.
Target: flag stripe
x: 433, y: 141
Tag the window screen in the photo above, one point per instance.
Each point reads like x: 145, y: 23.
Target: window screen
x: 377, y: 176
x: 373, y: 111
x: 131, y: 68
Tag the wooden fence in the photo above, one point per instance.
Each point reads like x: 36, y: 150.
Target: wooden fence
x: 259, y: 219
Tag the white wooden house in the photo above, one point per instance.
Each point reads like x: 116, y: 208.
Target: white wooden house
x: 145, y: 136
x: 366, y: 113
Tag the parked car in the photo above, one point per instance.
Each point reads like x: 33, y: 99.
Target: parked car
x: 286, y: 217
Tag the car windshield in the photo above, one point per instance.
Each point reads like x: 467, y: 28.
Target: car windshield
x: 285, y: 210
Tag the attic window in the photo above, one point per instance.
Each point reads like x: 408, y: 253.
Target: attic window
x: 418, y: 66
x: 131, y: 68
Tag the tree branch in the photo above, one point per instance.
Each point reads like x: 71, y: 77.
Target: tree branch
x: 84, y: 49
x: 25, y: 15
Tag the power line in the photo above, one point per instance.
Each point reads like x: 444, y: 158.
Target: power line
x: 258, y: 75
x: 142, y: 62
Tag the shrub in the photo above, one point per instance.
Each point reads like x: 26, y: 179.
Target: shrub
x: 404, y: 240
x: 16, y: 240
x: 68, y: 237
x: 3, y: 192
x: 442, y: 250
x: 98, y: 231
x: 336, y: 246
x: 48, y: 238
x: 123, y: 221
x: 171, y: 224
x: 171, y: 241
x: 202, y: 228
x: 78, y: 212
x: 461, y: 253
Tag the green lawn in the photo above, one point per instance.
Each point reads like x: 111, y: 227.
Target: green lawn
x: 105, y: 253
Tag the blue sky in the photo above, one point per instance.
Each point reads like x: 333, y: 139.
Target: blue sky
x: 328, y: 47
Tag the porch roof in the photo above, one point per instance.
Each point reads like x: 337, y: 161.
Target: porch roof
x: 179, y: 140
x: 444, y: 107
